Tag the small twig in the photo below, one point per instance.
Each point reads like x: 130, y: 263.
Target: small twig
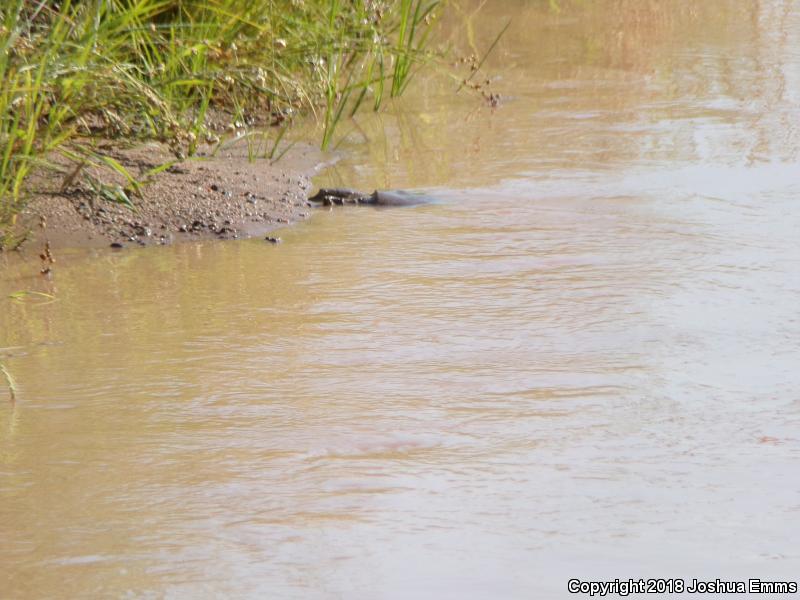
x: 485, y: 56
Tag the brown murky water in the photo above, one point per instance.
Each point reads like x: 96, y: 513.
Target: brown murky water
x: 582, y: 363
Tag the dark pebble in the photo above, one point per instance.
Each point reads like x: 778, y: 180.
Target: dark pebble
x: 214, y: 187
x: 116, y: 245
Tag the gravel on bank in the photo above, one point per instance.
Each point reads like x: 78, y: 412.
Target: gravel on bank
x: 226, y: 196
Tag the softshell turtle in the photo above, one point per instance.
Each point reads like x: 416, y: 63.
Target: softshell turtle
x: 340, y: 196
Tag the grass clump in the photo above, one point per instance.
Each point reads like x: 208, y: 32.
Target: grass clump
x: 76, y: 73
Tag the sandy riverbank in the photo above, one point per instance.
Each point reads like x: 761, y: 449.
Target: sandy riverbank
x: 225, y: 196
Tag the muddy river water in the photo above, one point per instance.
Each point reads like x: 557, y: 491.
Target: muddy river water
x: 583, y: 362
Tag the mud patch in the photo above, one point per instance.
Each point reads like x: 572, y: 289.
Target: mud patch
x: 226, y: 196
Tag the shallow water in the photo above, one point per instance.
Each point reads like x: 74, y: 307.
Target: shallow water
x: 582, y: 362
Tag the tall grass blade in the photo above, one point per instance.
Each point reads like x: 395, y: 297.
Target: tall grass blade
x: 486, y: 54
x: 10, y: 383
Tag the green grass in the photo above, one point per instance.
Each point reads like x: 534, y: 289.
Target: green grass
x: 78, y: 72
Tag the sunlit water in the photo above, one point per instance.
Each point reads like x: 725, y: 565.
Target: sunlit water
x: 583, y: 362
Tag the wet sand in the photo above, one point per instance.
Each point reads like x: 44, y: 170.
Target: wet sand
x: 225, y: 196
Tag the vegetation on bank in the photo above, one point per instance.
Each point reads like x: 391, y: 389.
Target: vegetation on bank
x: 77, y: 73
